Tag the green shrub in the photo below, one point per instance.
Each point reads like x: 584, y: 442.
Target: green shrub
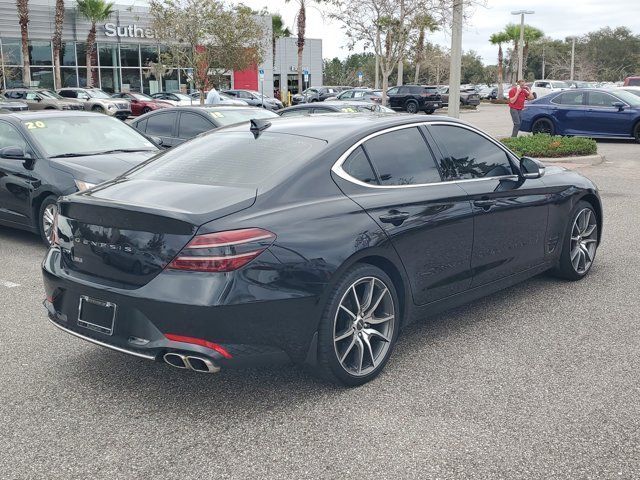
x: 544, y: 145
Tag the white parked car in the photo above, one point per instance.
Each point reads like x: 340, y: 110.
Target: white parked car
x: 176, y: 99
x: 540, y: 88
x: 224, y: 99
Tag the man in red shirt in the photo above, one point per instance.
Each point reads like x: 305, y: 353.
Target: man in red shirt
x: 517, y: 95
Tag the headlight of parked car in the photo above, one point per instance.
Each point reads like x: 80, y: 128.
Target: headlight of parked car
x: 82, y: 186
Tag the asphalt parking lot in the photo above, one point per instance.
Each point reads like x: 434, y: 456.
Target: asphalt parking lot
x: 538, y: 381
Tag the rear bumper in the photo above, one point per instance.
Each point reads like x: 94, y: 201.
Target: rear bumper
x: 432, y: 104
x: 254, y: 325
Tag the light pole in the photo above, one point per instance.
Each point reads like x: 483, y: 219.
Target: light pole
x: 456, y: 59
x: 522, y: 13
x: 573, y: 56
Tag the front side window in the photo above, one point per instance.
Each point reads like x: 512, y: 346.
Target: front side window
x: 11, y: 137
x: 402, y: 157
x: 467, y: 154
x: 601, y: 99
x: 393, y: 91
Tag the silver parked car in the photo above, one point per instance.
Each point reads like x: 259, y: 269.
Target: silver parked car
x: 96, y: 100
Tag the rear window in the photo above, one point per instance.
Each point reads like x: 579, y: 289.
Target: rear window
x: 229, y: 116
x: 231, y: 158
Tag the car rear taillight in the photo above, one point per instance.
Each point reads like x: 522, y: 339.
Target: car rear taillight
x: 222, y: 251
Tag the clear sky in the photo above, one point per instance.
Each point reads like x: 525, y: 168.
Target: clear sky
x: 557, y: 18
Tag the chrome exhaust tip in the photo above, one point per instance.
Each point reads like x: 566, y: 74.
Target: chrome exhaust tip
x: 200, y: 364
x: 190, y: 362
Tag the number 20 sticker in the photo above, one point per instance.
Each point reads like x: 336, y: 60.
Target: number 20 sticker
x: 32, y: 125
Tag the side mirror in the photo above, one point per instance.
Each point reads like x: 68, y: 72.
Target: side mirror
x: 530, y: 168
x: 15, y: 153
x: 157, y: 140
x: 619, y: 105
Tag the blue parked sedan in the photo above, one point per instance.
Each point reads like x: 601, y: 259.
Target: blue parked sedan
x: 584, y: 111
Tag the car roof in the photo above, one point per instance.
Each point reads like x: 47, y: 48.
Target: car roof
x: 336, y: 127
x: 39, y: 114
x: 197, y: 108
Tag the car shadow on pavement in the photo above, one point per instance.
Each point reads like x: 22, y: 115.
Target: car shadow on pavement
x: 21, y: 237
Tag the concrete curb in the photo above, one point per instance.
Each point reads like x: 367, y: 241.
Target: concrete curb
x: 584, y: 160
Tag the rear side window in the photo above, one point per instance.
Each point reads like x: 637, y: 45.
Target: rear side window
x: 232, y: 158
x: 569, y: 98
x: 192, y: 124
x: 161, y: 124
x: 402, y: 157
x: 68, y: 94
x: 468, y: 154
x: 357, y: 165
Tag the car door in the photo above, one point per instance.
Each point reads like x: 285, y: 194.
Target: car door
x: 604, y: 118
x: 16, y: 178
x: 570, y: 112
x: 393, y: 176
x: 163, y: 126
x: 509, y: 214
x: 192, y: 124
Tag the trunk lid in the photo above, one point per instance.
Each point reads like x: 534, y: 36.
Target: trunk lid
x: 125, y: 232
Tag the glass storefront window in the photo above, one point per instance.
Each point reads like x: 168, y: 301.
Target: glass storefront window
x: 108, y: 54
x: 129, y: 55
x: 40, y: 53
x: 69, y: 77
x: 110, y: 79
x: 43, y: 76
x: 12, y: 77
x: 131, y: 80
x: 81, y: 52
x: 148, y: 53
x: 170, y: 81
x: 12, y: 51
x: 68, y: 54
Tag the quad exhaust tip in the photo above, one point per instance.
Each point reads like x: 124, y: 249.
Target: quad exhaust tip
x: 190, y: 362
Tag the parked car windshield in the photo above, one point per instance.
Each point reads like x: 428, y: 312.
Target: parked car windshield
x: 84, y: 135
x: 49, y: 94
x: 141, y: 96
x: 231, y: 158
x: 559, y: 84
x: 96, y: 93
x: 182, y: 96
x: 238, y: 115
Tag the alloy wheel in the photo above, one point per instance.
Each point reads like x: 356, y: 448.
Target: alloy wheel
x: 412, y: 107
x: 542, y: 126
x: 48, y: 216
x: 584, y: 240
x: 363, y: 326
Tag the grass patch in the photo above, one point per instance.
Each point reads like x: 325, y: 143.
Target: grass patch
x: 543, y: 145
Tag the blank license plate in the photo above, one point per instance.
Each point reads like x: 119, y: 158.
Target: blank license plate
x: 96, y: 315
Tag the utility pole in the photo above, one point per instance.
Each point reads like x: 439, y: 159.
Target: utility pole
x: 456, y: 59
x: 573, y: 56
x: 522, y: 13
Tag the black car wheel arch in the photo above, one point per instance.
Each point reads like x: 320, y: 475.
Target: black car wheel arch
x: 636, y: 132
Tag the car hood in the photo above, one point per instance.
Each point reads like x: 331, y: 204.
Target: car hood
x: 100, y: 168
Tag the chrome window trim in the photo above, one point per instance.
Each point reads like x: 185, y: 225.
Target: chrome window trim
x: 338, y: 170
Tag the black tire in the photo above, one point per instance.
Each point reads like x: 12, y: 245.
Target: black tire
x: 412, y: 106
x: 543, y: 125
x: 429, y: 112
x: 330, y: 365
x: 566, y: 267
x: 48, y: 206
x: 97, y: 109
x: 636, y: 132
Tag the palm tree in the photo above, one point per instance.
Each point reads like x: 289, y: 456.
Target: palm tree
x: 512, y: 31
x: 426, y: 23
x: 301, y: 18
x: 23, y: 20
x: 95, y: 11
x: 57, y: 42
x: 531, y: 35
x: 278, y: 30
x: 498, y: 39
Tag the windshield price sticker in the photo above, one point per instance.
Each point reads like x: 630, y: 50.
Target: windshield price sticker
x: 33, y: 125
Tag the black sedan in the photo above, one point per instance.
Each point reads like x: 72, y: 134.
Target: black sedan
x: 176, y: 125
x: 46, y: 154
x: 312, y: 239
x: 333, y: 106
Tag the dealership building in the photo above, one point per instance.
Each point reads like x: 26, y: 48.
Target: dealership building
x: 126, y: 48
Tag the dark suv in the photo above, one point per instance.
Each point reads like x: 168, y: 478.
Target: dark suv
x: 413, y: 98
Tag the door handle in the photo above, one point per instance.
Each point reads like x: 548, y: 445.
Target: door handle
x: 485, y: 204
x: 394, y: 217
